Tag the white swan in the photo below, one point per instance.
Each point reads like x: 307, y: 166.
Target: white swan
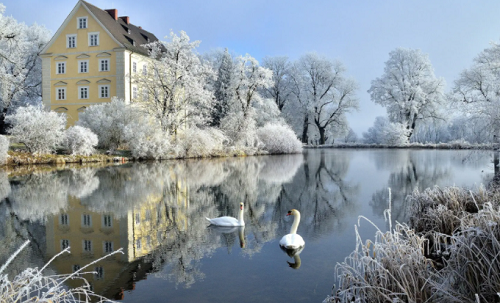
x: 229, y: 221
x: 293, y: 240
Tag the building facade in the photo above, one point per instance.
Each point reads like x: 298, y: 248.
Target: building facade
x: 91, y: 58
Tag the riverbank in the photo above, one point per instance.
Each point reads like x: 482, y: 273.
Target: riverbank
x: 448, y: 252
x: 452, y: 145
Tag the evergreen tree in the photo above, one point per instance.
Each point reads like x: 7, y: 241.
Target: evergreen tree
x: 223, y: 93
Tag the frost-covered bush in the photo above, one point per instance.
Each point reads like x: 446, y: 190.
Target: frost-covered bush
x: 196, y: 143
x: 385, y: 132
x: 40, y: 130
x: 147, y: 140
x: 80, y: 140
x: 279, y: 139
x: 108, y: 120
x: 4, y: 148
x: 241, y: 131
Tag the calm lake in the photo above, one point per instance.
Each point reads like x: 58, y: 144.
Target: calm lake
x: 156, y: 213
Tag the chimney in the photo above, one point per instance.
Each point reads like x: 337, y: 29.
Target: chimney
x: 126, y: 19
x: 113, y: 13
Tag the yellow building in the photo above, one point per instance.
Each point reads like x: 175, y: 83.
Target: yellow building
x: 91, y: 58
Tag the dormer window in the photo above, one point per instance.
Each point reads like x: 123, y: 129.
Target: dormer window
x: 82, y: 22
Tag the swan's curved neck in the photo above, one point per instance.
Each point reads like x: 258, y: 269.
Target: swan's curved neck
x: 240, y: 215
x: 295, y: 224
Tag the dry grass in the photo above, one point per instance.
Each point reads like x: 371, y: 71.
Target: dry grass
x: 33, y: 286
x: 449, y: 252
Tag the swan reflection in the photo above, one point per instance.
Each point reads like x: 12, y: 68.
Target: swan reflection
x: 228, y: 234
x: 295, y: 254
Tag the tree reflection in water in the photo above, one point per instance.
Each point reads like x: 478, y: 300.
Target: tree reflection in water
x: 413, y: 170
x: 159, y: 209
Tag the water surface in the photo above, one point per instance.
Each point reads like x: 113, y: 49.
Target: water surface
x: 156, y: 213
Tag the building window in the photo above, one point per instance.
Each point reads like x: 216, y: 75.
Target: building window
x: 144, y: 70
x: 86, y: 220
x: 64, y: 244
x: 137, y: 218
x: 108, y: 247
x: 99, y: 273
x: 63, y: 219
x: 145, y: 95
x: 83, y: 93
x: 76, y: 268
x: 148, y: 241
x: 93, y: 39
x: 106, y: 221
x: 70, y: 41
x: 138, y: 244
x: 87, y: 245
x: 104, y: 65
x: 61, y: 93
x: 134, y: 92
x: 103, y: 91
x: 134, y: 67
x: 83, y: 66
x: 60, y: 67
x: 82, y: 22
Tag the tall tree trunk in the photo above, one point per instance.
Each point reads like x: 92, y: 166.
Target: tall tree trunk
x: 3, y: 125
x: 305, y: 129
x: 322, y: 138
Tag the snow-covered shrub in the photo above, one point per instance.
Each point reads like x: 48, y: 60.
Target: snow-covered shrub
x: 4, y: 148
x: 195, y: 142
x: 279, y: 139
x: 40, y: 130
x: 80, y: 140
x: 385, y: 132
x: 147, y: 140
x: 241, y: 131
x: 108, y: 120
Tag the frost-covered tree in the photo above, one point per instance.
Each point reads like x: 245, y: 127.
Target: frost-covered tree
x: 279, y: 139
x: 146, y: 139
x: 20, y: 65
x: 477, y: 89
x: 281, y: 90
x: 39, y: 130
x: 4, y: 148
x: 248, y: 79
x: 408, y: 89
x: 222, y: 89
x: 80, y: 140
x: 324, y: 94
x: 174, y: 90
x: 385, y: 132
x: 351, y: 136
x: 108, y: 120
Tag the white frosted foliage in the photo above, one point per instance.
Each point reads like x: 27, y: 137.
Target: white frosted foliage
x: 279, y: 139
x: 80, y: 140
x: 40, y: 130
x: 4, y: 148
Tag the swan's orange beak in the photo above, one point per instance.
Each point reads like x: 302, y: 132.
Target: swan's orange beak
x: 289, y: 213
x: 241, y: 207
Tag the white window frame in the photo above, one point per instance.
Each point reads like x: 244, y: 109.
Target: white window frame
x: 108, y: 247
x: 107, y: 220
x: 78, y: 24
x: 145, y: 95
x: 101, y: 90
x: 90, y: 39
x: 83, y: 220
x: 87, y: 245
x: 107, y: 65
x: 134, y: 67
x: 80, y: 66
x: 63, y: 89
x: 64, y: 244
x: 64, y: 219
x: 63, y: 64
x: 81, y: 89
x: 68, y: 44
x: 145, y: 70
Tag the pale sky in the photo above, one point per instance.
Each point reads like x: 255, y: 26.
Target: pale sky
x: 359, y: 33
